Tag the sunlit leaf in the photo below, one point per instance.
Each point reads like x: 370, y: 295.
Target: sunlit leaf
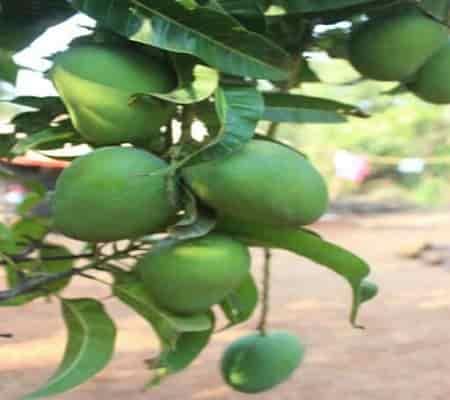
x: 90, y: 345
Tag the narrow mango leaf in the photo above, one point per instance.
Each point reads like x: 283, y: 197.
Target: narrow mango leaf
x: 239, y: 109
x: 196, y: 82
x: 89, y: 348
x: 45, y: 137
x: 189, y: 346
x: 7, y: 240
x: 240, y: 305
x: 280, y: 107
x: 250, y: 13
x: 318, y: 6
x: 211, y: 35
x: 439, y: 9
x: 129, y: 289
x: 311, y: 246
x: 31, y: 200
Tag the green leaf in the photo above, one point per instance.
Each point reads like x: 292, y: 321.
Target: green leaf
x: 196, y: 221
x: 7, y: 240
x: 369, y: 290
x: 14, y: 276
x: 309, y: 245
x: 8, y: 68
x: 55, y: 266
x: 239, y: 109
x: 439, y: 9
x: 211, y: 35
x: 91, y: 339
x: 33, y: 228
x: 196, y: 82
x: 189, y: 346
x: 7, y: 142
x: 249, y: 12
x: 318, y: 6
x: 31, y: 200
x: 280, y: 107
x: 130, y: 290
x: 44, y: 137
x: 240, y: 305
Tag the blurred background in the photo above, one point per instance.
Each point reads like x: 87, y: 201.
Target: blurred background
x: 389, y: 183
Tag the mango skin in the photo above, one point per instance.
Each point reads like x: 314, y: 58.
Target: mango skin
x: 264, y: 182
x: 431, y: 83
x: 96, y: 82
x: 394, y: 48
x: 191, y: 276
x: 110, y: 195
x: 257, y: 363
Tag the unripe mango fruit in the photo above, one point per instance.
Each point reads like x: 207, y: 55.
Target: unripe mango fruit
x: 191, y: 276
x: 395, y: 47
x: 96, y: 83
x: 257, y: 363
x: 264, y: 182
x: 431, y: 83
x: 110, y: 194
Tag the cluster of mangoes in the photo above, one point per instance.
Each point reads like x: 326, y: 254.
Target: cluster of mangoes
x: 406, y: 46
x: 118, y: 192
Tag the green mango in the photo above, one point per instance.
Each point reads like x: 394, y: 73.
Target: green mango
x: 97, y: 82
x: 191, y: 276
x: 262, y: 183
x: 257, y: 363
x: 431, y: 83
x: 395, y: 47
x: 110, y: 194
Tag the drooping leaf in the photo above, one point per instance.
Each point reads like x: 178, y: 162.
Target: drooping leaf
x: 240, y: 305
x: 130, y: 290
x: 369, y: 290
x: 91, y: 339
x: 281, y: 107
x: 311, y: 246
x: 196, y: 82
x: 211, y: 35
x: 189, y: 346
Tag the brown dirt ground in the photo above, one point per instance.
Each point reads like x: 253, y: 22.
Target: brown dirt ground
x: 403, y: 354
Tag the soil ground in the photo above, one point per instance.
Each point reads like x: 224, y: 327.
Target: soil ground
x: 403, y: 354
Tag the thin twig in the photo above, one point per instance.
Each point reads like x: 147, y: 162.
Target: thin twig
x: 265, y: 300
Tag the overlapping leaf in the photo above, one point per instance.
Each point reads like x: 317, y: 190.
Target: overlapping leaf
x: 129, y: 289
x: 214, y: 37
x: 240, y: 305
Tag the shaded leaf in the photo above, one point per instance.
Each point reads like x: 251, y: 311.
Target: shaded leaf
x: 189, y: 346
x: 240, y: 305
x: 196, y: 82
x: 45, y: 137
x: 211, y: 35
x: 130, y: 290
